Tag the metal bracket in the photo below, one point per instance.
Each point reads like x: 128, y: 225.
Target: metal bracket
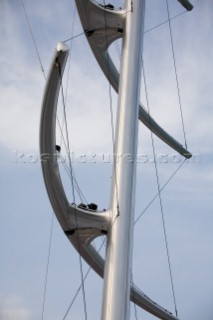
x: 101, y: 24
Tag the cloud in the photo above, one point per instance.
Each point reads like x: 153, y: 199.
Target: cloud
x: 89, y: 122
x: 13, y: 308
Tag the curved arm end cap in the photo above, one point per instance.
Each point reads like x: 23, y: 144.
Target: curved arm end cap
x: 61, y: 46
x: 186, y: 4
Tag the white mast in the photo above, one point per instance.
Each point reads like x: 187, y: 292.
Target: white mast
x: 119, y: 247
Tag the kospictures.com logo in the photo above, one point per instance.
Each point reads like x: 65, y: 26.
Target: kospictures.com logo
x: 99, y: 157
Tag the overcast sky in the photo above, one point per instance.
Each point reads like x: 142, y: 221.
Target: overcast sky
x: 26, y: 213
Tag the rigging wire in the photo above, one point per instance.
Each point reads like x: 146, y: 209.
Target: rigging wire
x: 70, y: 50
x: 70, y: 171
x: 33, y: 38
x: 104, y: 241
x: 77, y: 187
x: 42, y: 68
x: 79, y: 34
x: 118, y: 51
x: 52, y: 220
x: 148, y: 30
x: 69, y: 64
x: 160, y: 198
x: 161, y: 189
x: 73, y: 193
x: 44, y: 74
x: 47, y: 267
x: 157, y: 177
x: 176, y: 74
x: 169, y: 19
x: 67, y: 135
x: 153, y: 146
x: 158, y: 183
x: 80, y: 286
x: 87, y: 31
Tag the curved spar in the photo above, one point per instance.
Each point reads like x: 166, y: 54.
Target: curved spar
x: 102, y: 26
x: 88, y: 225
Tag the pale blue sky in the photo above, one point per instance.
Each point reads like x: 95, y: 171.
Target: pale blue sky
x: 187, y: 200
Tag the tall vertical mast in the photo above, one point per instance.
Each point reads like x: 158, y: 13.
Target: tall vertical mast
x: 119, y: 247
